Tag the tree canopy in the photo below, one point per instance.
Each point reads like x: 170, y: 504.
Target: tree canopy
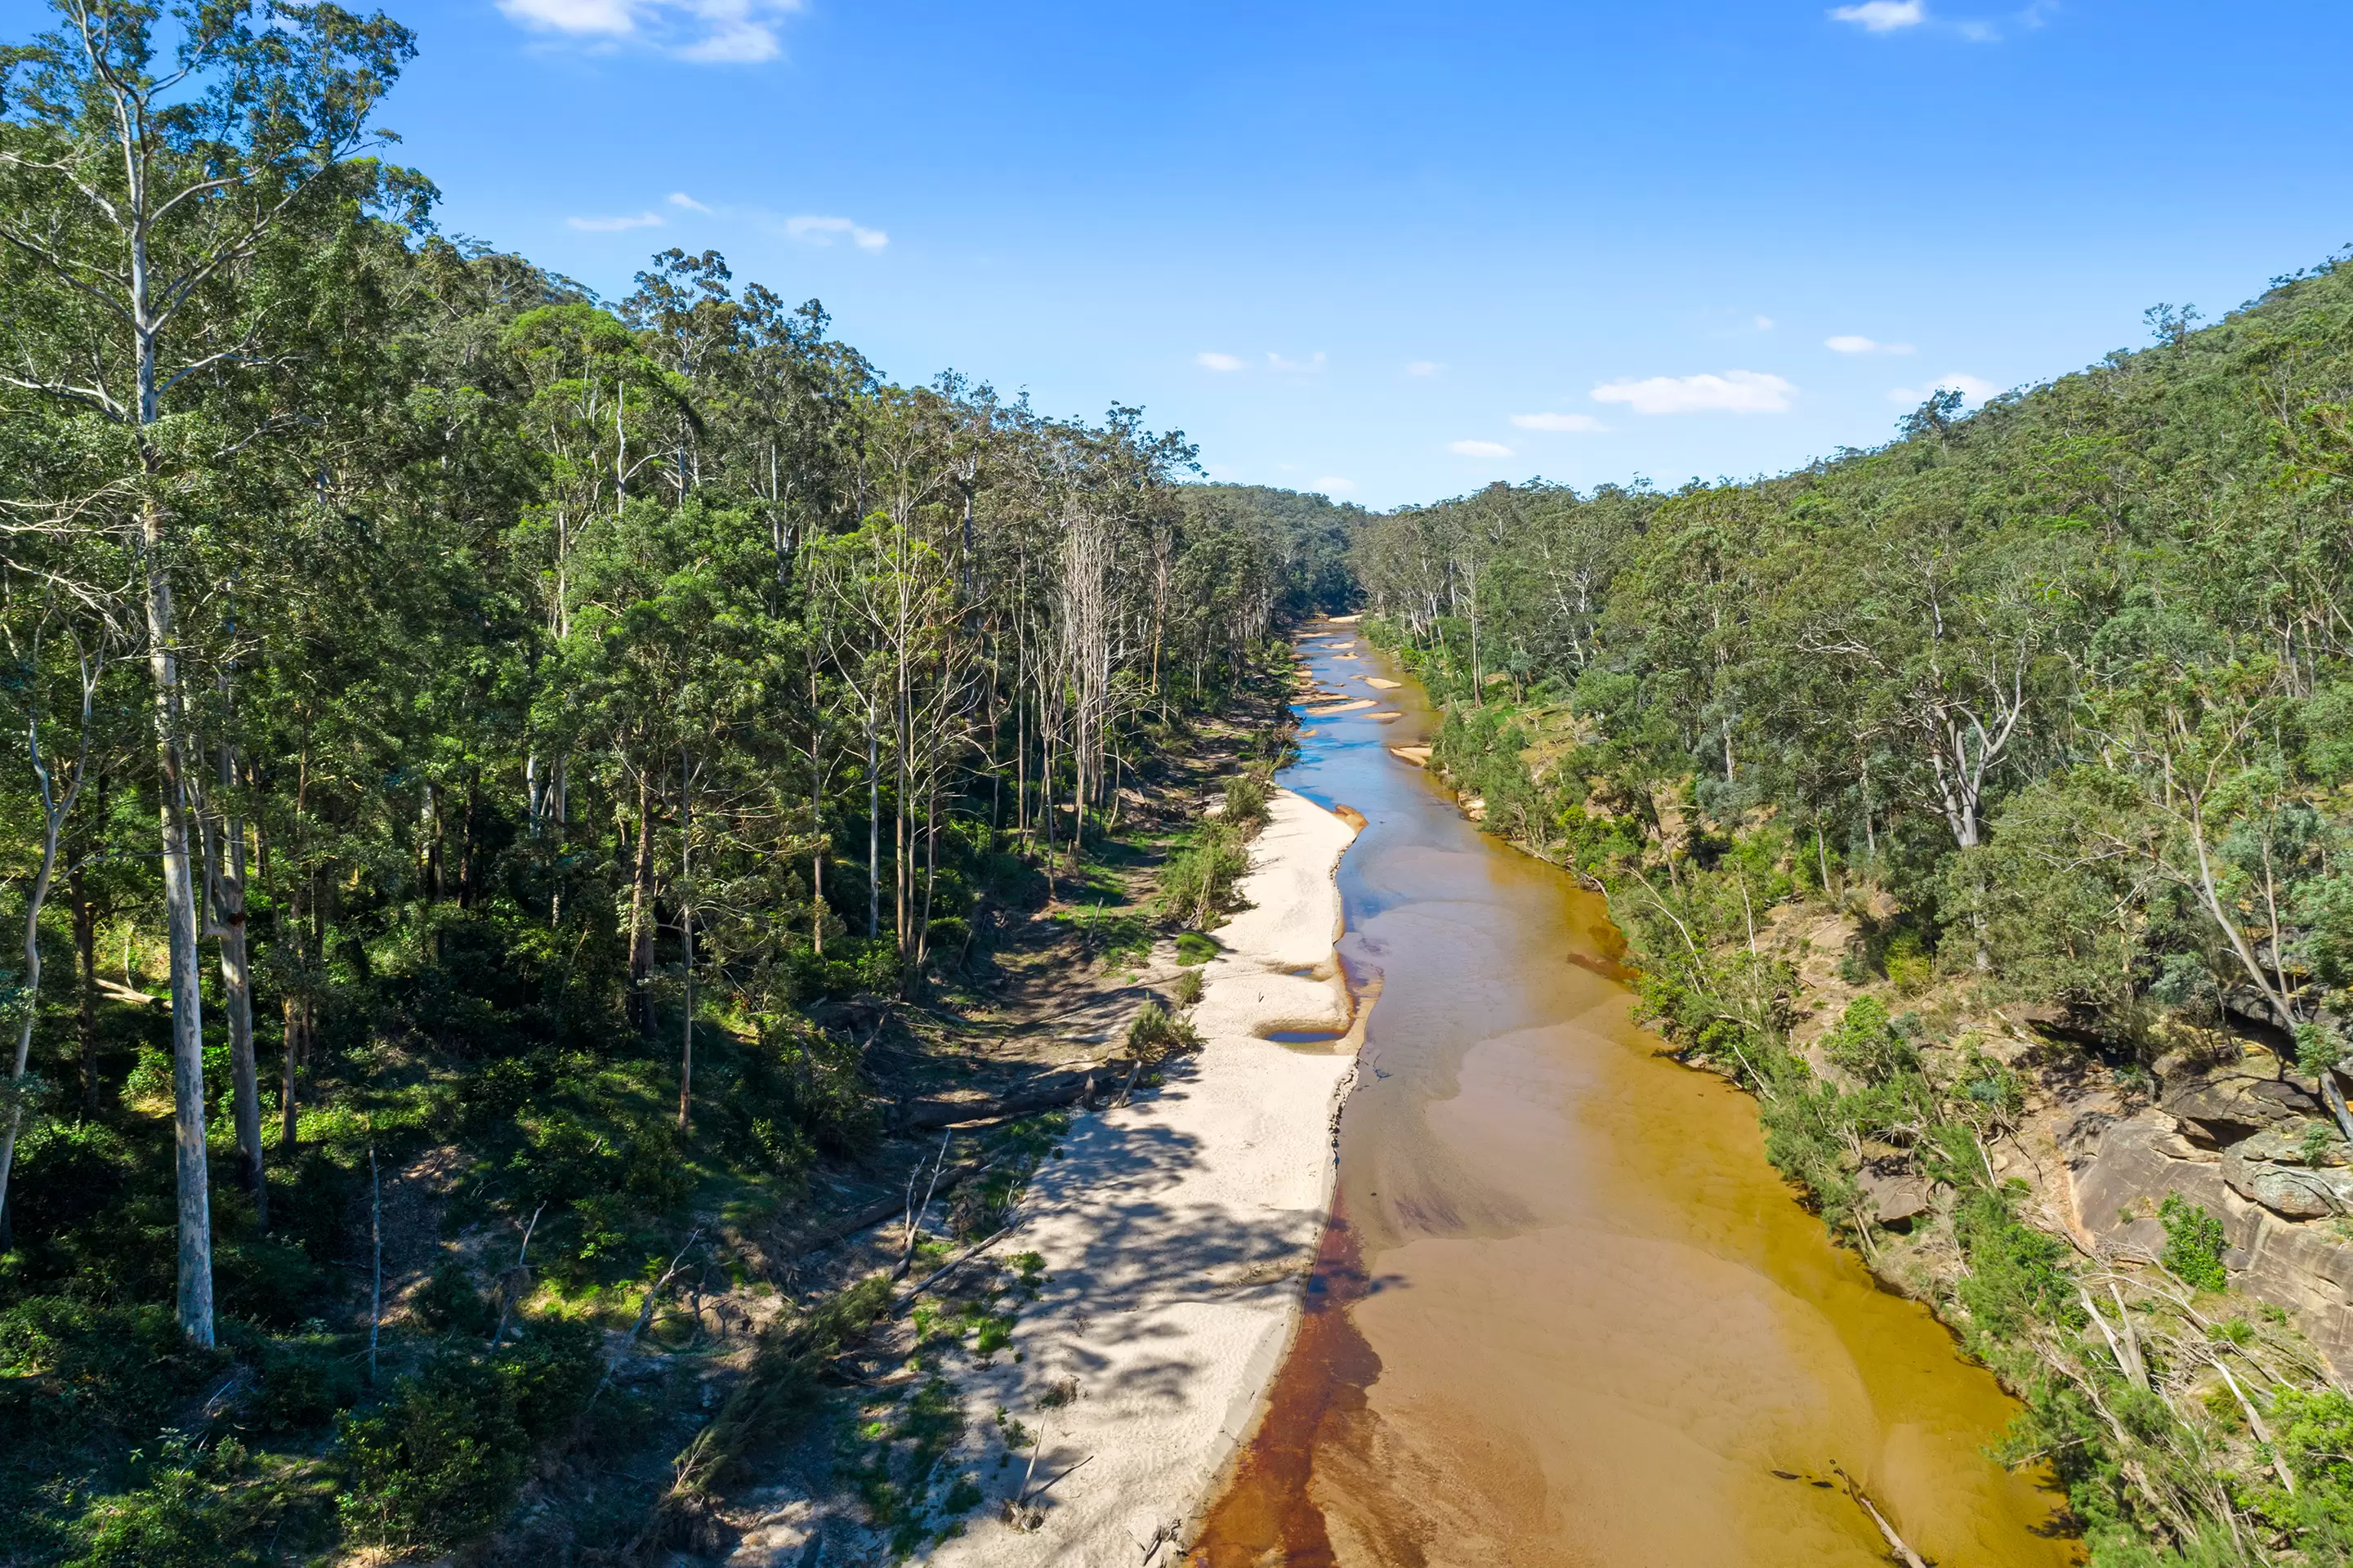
x: 428, y: 675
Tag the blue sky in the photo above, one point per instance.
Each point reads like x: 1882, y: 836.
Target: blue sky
x: 1395, y: 250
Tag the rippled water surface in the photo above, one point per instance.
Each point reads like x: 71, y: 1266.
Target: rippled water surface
x: 1566, y: 1313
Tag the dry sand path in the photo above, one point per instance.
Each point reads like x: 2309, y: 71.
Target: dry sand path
x: 1176, y: 1233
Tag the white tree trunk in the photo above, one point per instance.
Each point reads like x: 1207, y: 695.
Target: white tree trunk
x: 196, y: 1248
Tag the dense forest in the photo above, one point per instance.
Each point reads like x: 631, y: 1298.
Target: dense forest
x: 447, y: 708
x: 449, y: 714
x: 2044, y: 710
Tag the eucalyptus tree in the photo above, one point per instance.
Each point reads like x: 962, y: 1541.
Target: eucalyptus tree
x: 55, y: 651
x: 155, y: 213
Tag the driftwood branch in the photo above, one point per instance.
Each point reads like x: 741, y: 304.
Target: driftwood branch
x: 916, y: 1212
x: 1911, y: 1559
x: 645, y: 1316
x: 1051, y: 1096
x: 517, y: 1279
x: 1022, y: 1512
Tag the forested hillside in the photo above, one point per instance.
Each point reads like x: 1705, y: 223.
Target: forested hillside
x: 1966, y: 798
x: 1310, y: 536
x: 447, y: 710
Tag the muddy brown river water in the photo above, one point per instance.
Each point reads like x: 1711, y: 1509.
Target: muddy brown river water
x: 1566, y: 1312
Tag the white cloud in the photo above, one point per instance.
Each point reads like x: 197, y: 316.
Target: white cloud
x: 826, y: 230
x: 734, y: 36
x: 610, y: 17
x: 1424, y: 367
x: 1479, y: 448
x: 1296, y: 366
x: 1217, y: 362
x: 1847, y: 342
x: 616, y: 224
x: 1763, y: 323
x: 1334, y: 484
x: 679, y: 199
x: 1882, y: 16
x: 1735, y: 391
x: 710, y: 31
x: 1557, y: 421
x: 1971, y: 389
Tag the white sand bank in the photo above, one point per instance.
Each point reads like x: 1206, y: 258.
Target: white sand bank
x: 1176, y: 1233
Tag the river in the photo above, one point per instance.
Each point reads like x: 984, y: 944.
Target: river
x: 1566, y: 1312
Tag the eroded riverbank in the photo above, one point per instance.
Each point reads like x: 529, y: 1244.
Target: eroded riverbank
x: 1581, y: 1319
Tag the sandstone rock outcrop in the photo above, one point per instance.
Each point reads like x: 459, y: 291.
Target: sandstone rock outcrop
x: 2242, y: 1150
x: 1896, y: 1196
x: 2223, y: 1112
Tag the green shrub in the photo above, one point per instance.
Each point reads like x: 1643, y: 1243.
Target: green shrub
x: 1269, y: 751
x: 1247, y: 799
x: 76, y: 1367
x: 441, y: 1460
x: 981, y: 1209
x: 2194, y: 1241
x: 473, y: 979
x: 830, y: 1096
x: 553, y: 1367
x: 1985, y: 1081
x: 567, y: 1159
x: 1907, y: 962
x: 197, y: 1509
x: 75, y: 1176
x: 2314, y: 1430
x: 1154, y: 1033
x: 1196, y: 884
x: 784, y: 1147
x: 879, y: 970
x: 1866, y: 1044
x: 898, y: 1474
x: 1193, y: 948
x: 2018, y: 1275
x: 437, y: 1462
x: 268, y: 1280
x: 304, y: 1382
x: 1186, y: 987
x: 449, y: 1302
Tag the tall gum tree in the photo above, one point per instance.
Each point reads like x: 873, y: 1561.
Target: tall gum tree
x: 152, y: 164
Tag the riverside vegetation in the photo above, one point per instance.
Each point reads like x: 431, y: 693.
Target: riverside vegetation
x: 512, y: 797
x: 1979, y: 802
x: 545, y: 792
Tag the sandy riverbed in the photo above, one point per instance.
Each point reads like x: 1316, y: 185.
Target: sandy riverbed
x: 1176, y: 1233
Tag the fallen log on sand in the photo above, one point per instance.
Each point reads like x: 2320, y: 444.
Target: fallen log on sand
x: 1053, y: 1091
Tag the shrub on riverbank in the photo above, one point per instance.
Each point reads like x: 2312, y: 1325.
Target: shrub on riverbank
x: 1155, y: 1034
x: 1200, y: 883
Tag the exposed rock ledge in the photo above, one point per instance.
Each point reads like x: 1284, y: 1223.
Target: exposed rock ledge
x: 2253, y: 1151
